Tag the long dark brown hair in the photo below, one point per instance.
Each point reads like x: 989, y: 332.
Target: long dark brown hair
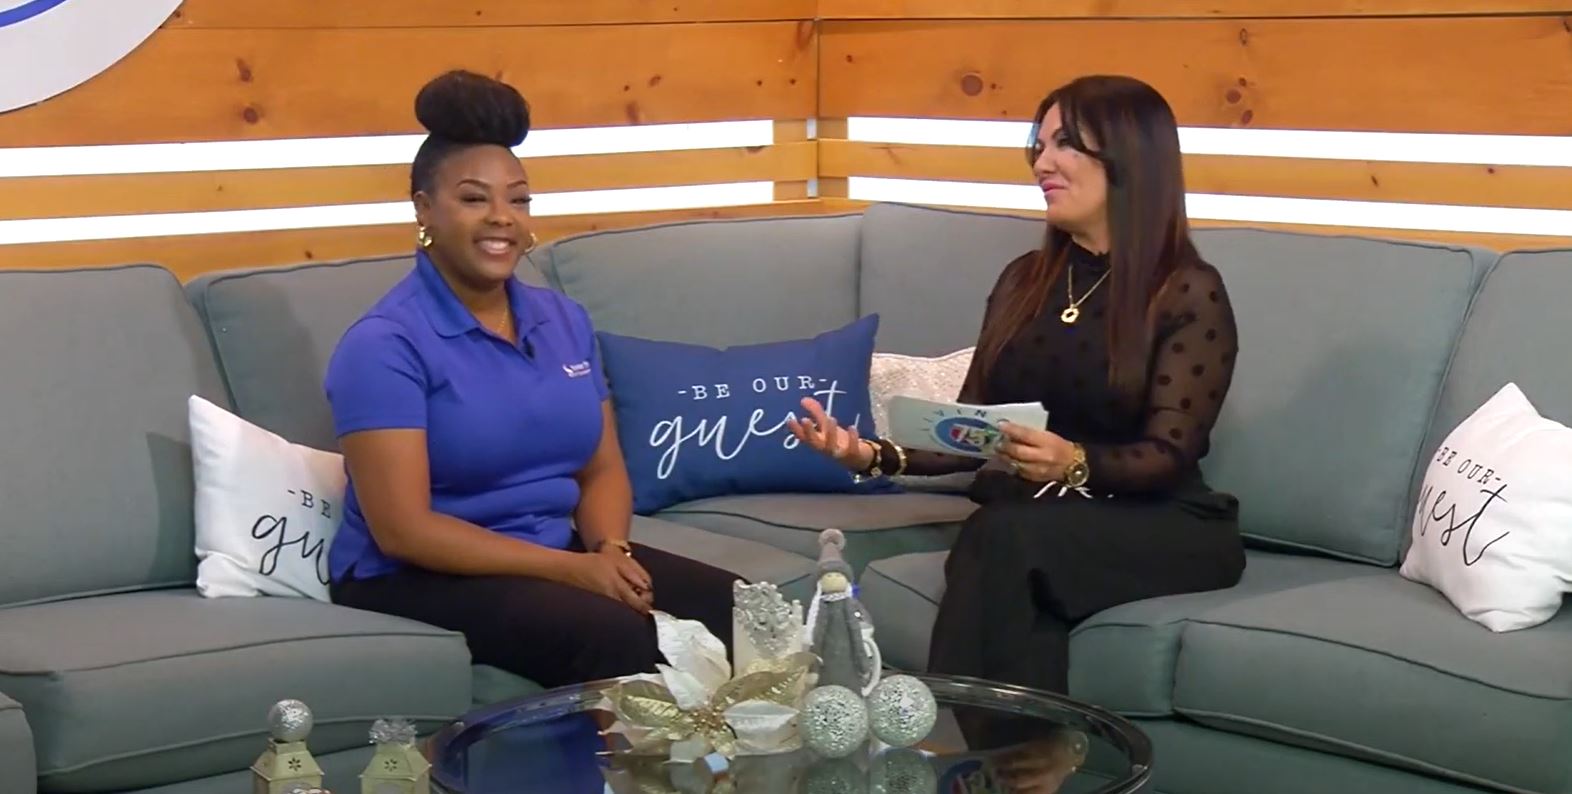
x: 1149, y: 234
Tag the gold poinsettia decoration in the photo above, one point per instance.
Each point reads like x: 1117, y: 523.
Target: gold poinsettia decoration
x: 694, y: 706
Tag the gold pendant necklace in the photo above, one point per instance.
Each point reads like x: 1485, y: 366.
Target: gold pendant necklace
x: 1072, y: 312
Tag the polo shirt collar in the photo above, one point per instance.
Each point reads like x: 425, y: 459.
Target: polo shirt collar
x: 450, y: 317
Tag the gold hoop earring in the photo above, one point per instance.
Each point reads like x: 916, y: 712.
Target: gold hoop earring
x: 534, y: 242
x: 423, y: 237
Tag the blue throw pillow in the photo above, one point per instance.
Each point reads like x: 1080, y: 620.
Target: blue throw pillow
x: 696, y: 421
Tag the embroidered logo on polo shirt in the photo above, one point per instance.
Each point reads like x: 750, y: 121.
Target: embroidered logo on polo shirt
x: 578, y: 370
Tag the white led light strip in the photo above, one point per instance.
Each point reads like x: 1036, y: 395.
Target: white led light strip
x: 1540, y: 150
x: 116, y: 227
x: 1257, y: 209
x: 399, y: 149
x: 1524, y: 150
x: 370, y: 150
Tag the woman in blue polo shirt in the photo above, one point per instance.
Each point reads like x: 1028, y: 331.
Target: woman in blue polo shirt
x: 487, y: 493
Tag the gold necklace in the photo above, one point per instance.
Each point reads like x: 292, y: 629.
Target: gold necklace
x: 502, y: 327
x: 1073, y: 311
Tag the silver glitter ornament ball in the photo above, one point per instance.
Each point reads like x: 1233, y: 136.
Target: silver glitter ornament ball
x: 902, y: 711
x: 834, y: 776
x: 289, y: 721
x: 834, y: 721
x: 902, y: 770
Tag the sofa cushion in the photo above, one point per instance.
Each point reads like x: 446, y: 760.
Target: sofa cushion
x: 1343, y: 340
x: 275, y: 328
x: 927, y: 272
x: 1123, y: 658
x: 1194, y: 759
x: 93, y: 436
x: 340, y: 772
x: 1517, y: 333
x: 714, y: 283
x: 876, y: 525
x: 902, y: 595
x: 18, y: 771
x: 109, y: 682
x: 1384, y: 668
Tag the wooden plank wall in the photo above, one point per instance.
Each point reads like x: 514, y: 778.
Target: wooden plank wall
x: 220, y: 70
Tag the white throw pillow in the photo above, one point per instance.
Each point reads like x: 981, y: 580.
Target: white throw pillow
x: 1493, y: 527
x: 266, y: 509
x: 939, y: 378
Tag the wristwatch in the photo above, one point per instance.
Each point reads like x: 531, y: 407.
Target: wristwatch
x: 1077, y: 472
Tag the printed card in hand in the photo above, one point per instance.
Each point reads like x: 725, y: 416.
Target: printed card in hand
x: 956, y: 428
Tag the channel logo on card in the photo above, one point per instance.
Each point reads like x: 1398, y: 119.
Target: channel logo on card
x: 966, y: 434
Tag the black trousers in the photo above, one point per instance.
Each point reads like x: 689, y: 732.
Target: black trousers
x: 550, y: 633
x: 1024, y: 572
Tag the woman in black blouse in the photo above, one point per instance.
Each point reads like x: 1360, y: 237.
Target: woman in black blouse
x: 1126, y: 336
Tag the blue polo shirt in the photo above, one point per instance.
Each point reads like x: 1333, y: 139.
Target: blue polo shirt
x: 508, y: 426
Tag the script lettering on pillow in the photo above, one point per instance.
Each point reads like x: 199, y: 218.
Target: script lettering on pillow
x: 670, y: 435
x: 266, y: 509
x: 1492, y: 530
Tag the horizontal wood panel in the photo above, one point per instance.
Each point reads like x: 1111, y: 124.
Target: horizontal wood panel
x: 1354, y: 180
x: 192, y: 255
x: 1042, y: 9
x: 188, y: 85
x: 1466, y: 75
x: 462, y: 13
x: 122, y: 194
x: 1495, y: 242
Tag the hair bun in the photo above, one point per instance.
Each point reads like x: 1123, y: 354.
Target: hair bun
x: 469, y: 108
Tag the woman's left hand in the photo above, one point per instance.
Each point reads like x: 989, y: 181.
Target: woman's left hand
x: 1036, y: 455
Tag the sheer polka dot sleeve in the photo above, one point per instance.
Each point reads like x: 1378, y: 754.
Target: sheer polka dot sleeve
x: 1193, y: 366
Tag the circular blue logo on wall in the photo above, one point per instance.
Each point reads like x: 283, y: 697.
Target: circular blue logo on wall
x: 48, y: 47
x: 26, y: 11
x: 966, y: 433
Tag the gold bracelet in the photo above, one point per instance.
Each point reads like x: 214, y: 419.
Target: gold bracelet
x: 900, y: 454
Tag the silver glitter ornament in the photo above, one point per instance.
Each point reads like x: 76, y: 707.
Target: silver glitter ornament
x: 290, y: 721
x: 902, y: 711
x: 834, y: 776
x: 902, y: 771
x: 834, y: 721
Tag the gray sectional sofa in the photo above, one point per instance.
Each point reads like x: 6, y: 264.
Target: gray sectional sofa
x: 1323, y: 671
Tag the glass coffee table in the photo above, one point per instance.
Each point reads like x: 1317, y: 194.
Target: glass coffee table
x: 989, y: 738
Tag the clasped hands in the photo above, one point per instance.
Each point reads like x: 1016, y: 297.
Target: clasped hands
x: 615, y: 575
x: 1030, y: 453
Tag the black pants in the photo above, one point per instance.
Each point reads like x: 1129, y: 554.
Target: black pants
x: 550, y: 633
x: 1026, y: 571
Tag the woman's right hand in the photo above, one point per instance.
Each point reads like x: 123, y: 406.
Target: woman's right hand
x: 820, y: 432
x: 601, y: 575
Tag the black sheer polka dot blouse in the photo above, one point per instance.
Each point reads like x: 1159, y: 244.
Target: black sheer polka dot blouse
x: 1148, y: 446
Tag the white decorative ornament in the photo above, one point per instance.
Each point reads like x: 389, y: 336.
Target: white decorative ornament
x: 834, y: 721
x: 695, y: 706
x: 1491, y: 528
x: 902, y: 711
x: 48, y: 47
x: 764, y: 625
x: 266, y: 510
